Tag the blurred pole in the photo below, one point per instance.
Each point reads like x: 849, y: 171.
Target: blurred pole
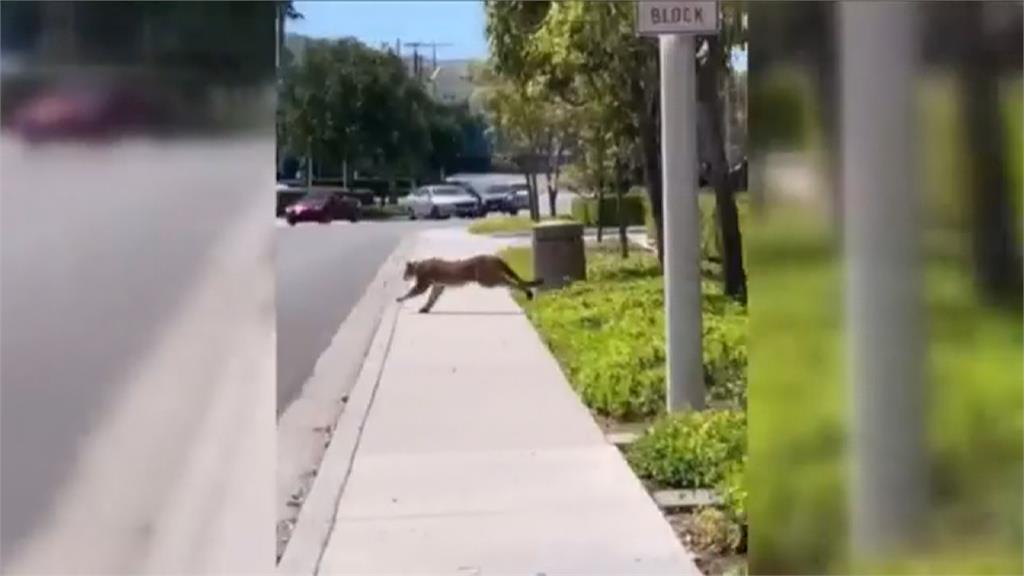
x: 309, y: 165
x: 883, y: 283
x: 684, y: 370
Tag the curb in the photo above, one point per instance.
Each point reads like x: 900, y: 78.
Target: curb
x: 315, y: 521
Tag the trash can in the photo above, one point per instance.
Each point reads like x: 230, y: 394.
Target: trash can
x: 558, y: 257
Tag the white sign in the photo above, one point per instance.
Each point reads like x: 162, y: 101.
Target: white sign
x: 676, y: 17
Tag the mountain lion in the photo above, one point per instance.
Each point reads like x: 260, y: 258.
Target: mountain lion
x: 486, y: 270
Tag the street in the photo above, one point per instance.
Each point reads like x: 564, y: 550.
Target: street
x: 321, y: 272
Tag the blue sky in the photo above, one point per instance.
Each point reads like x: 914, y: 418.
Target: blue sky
x: 459, y: 23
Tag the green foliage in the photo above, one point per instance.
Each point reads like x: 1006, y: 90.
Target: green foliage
x: 733, y: 489
x: 715, y: 532
x: 798, y: 439
x: 693, y: 449
x: 586, y: 210
x: 608, y: 334
x: 349, y: 102
x: 782, y: 111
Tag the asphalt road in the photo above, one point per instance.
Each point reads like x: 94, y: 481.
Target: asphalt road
x: 322, y: 272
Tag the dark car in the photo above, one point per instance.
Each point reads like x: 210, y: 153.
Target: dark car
x: 500, y: 198
x: 323, y: 207
x: 86, y: 113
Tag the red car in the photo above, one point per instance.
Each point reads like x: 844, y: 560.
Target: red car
x: 322, y: 207
x: 85, y: 112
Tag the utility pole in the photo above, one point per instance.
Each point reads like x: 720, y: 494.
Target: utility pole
x: 675, y: 23
x: 433, y: 63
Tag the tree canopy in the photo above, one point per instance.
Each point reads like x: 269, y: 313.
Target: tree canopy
x: 351, y: 105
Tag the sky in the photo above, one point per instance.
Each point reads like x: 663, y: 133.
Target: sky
x: 459, y: 23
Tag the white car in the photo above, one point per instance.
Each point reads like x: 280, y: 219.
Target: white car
x: 441, y: 201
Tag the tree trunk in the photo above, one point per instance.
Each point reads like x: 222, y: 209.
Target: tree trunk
x: 825, y: 65
x: 709, y: 97
x: 536, y: 197
x: 553, y: 173
x: 650, y: 143
x: 997, y: 254
x: 600, y: 208
x: 619, y: 191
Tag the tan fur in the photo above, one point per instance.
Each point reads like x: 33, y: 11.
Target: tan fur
x: 436, y: 274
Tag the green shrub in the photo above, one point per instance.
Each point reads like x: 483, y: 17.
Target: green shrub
x: 693, y: 449
x: 585, y: 210
x: 608, y: 334
x: 715, y: 532
x: 733, y: 489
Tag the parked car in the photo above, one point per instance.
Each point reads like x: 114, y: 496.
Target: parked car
x: 500, y: 198
x: 324, y: 207
x: 441, y: 201
x: 520, y: 196
x: 87, y: 112
x: 472, y: 190
x: 287, y: 194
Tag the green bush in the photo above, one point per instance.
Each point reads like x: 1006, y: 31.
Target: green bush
x: 733, y: 489
x: 585, y: 210
x: 693, y: 449
x: 608, y: 334
x: 783, y: 107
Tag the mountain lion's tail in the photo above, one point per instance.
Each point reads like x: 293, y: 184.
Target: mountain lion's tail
x: 512, y: 274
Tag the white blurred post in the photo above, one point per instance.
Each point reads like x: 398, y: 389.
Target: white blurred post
x: 684, y: 362
x: 883, y: 283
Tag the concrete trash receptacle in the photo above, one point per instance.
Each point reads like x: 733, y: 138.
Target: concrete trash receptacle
x: 558, y: 257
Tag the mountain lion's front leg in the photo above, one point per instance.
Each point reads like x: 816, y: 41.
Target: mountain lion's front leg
x: 435, y: 293
x: 416, y: 290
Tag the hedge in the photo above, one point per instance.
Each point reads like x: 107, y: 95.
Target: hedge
x: 585, y: 210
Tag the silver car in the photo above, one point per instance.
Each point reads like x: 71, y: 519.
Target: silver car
x: 441, y: 201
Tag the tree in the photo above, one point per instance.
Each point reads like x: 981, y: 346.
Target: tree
x: 586, y: 52
x: 710, y: 87
x: 354, y: 107
x: 996, y: 251
x: 518, y: 115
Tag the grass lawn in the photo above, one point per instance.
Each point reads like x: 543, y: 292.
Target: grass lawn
x: 507, y: 224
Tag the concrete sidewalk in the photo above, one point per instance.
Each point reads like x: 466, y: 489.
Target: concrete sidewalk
x: 476, y: 457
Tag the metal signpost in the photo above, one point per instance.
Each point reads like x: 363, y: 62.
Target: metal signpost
x: 675, y: 23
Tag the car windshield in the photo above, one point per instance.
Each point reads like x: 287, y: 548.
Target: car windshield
x: 497, y: 190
